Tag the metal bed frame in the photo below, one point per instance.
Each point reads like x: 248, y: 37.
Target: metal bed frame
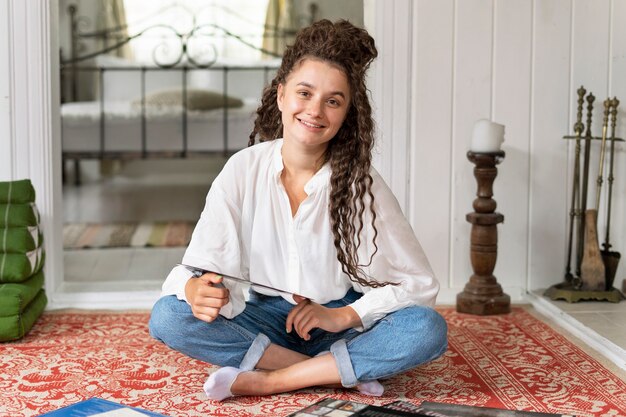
x: 74, y: 65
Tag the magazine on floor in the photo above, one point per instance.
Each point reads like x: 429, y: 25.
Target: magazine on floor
x: 98, y: 407
x: 437, y: 409
x: 333, y: 407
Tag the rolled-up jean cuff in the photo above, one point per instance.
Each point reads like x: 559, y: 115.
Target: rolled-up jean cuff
x: 339, y: 349
x: 253, y: 355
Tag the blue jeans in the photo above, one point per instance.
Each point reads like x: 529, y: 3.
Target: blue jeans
x: 400, y: 341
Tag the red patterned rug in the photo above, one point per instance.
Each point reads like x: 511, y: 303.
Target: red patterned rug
x: 512, y: 361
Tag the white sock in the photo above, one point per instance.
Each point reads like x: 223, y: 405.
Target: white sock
x: 372, y: 388
x: 217, y: 386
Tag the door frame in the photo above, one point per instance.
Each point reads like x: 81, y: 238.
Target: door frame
x: 35, y: 139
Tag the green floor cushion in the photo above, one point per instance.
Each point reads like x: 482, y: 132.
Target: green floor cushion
x: 13, y: 296
x: 18, y: 267
x: 20, y: 191
x: 20, y: 239
x: 18, y: 215
x: 16, y: 326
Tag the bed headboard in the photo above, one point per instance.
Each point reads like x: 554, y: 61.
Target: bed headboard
x: 188, y: 51
x: 122, y: 120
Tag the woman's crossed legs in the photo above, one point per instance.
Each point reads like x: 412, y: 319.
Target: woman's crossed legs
x: 257, y: 339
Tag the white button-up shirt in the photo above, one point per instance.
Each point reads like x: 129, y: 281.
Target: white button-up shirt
x: 247, y: 229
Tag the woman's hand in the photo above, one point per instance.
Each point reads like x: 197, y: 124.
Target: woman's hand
x: 205, y: 298
x: 307, y: 315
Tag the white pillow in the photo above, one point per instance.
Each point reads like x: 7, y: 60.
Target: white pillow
x: 197, y: 99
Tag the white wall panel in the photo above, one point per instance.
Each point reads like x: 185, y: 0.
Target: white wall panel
x: 20, y: 83
x: 431, y: 148
x: 392, y: 100
x: 590, y: 50
x: 33, y: 83
x: 398, y: 130
x: 548, y: 159
x: 472, y: 90
x: 617, y: 87
x: 519, y: 64
x: 511, y: 107
x: 6, y: 142
x: 617, y: 82
x: 390, y: 83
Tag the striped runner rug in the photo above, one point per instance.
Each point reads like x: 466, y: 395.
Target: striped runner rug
x: 119, y: 235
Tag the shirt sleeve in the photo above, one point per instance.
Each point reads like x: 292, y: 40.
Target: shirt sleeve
x: 175, y: 283
x: 214, y: 246
x: 399, y: 259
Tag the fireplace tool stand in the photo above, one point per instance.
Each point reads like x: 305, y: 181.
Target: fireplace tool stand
x: 593, y: 273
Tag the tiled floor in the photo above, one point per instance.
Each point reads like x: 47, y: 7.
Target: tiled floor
x: 142, y: 268
x: 176, y: 192
x: 605, y: 318
x: 180, y: 196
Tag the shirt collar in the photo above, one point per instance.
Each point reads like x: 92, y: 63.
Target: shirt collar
x: 317, y: 182
x: 278, y: 159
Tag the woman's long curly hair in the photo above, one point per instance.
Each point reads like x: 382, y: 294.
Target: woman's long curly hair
x: 352, y: 50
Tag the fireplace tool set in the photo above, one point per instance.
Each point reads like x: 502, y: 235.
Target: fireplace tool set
x: 589, y: 270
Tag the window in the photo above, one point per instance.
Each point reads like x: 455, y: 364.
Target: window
x: 209, y: 29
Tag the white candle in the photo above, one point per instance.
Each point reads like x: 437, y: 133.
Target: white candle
x: 487, y: 136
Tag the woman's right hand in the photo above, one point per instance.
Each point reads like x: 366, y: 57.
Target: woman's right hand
x: 205, y: 298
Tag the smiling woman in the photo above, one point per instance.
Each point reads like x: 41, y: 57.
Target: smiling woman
x: 305, y: 211
x: 314, y: 102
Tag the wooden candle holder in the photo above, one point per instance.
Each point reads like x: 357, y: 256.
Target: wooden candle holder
x: 483, y: 295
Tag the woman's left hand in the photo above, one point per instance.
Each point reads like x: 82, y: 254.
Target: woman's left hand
x: 307, y: 315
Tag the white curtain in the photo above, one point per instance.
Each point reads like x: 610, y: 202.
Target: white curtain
x: 279, y: 19
x: 112, y: 14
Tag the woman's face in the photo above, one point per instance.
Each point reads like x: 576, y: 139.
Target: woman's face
x: 314, y: 101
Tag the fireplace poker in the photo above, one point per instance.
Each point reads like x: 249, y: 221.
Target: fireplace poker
x: 610, y: 258
x: 592, y: 268
x: 574, y: 219
x: 605, y: 124
x: 583, y: 206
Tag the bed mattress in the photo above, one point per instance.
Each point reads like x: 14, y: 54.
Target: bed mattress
x: 164, y: 128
